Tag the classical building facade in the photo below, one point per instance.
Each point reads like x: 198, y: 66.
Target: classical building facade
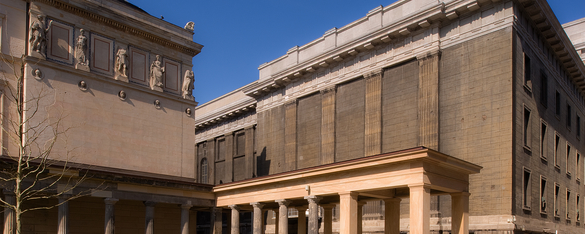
x: 423, y: 116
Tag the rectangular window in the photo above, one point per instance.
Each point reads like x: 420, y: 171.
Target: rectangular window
x: 578, y: 209
x: 578, y: 126
x: 527, y: 73
x: 556, y: 201
x: 556, y: 153
x: 569, y: 116
x: 543, y: 127
x: 2, y: 16
x: 567, y: 204
x: 558, y: 104
x: 568, y: 162
x: 577, y: 167
x: 526, y: 189
x: 527, y: 133
x: 543, y: 89
x: 542, y: 194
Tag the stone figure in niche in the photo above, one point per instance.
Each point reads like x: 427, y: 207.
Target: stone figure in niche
x: 156, y: 74
x: 38, y: 35
x: 190, y: 26
x: 121, y: 65
x: 187, y: 88
x: 81, y: 50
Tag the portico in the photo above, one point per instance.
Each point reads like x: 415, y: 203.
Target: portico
x: 417, y: 173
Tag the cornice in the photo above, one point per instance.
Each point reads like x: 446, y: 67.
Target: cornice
x: 226, y: 113
x: 192, y: 49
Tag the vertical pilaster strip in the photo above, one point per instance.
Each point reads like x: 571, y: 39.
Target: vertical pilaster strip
x: 328, y: 125
x: 328, y: 218
x: 313, y: 214
x: 460, y: 209
x: 258, y: 219
x: 373, y: 131
x: 348, y: 212
x: 229, y: 158
x: 63, y: 215
x: 360, y: 215
x: 302, y: 220
x: 290, y: 134
x: 216, y: 219
x: 235, y: 227
x: 428, y: 100
x: 211, y: 161
x: 109, y: 221
x: 249, y: 158
x: 420, y: 209
x: 283, y: 216
x: 185, y: 217
x: 9, y: 218
x: 392, y: 216
x: 149, y: 217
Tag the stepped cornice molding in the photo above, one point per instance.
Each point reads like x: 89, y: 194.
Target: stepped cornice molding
x: 228, y: 112
x: 186, y: 46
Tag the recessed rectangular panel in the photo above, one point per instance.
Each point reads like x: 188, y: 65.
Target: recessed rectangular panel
x: 60, y: 38
x: 172, y: 74
x: 138, y: 65
x: 101, y: 51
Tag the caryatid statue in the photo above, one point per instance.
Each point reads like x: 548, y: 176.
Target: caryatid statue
x: 156, y: 74
x: 188, y: 86
x: 121, y: 63
x: 81, y: 48
x: 38, y: 35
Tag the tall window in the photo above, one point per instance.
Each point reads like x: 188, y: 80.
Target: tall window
x: 543, y: 89
x: 557, y: 191
x: 527, y: 135
x: 567, y: 204
x: 578, y: 213
x: 2, y: 16
x: 526, y: 189
x: 542, y: 194
x: 543, y: 127
x: 577, y: 167
x: 204, y: 172
x: 527, y: 73
x: 568, y: 162
x: 556, y: 153
x: 558, y: 103
x: 569, y: 116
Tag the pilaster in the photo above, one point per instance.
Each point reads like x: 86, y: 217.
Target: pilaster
x: 373, y: 125
x: 328, y: 125
x: 229, y: 158
x: 211, y: 161
x: 420, y: 208
x: 348, y: 205
x: 460, y: 213
x: 249, y: 157
x: 360, y: 215
x: 328, y: 218
x: 290, y: 134
x: 428, y: 100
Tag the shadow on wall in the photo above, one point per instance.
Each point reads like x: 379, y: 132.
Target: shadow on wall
x: 263, y: 165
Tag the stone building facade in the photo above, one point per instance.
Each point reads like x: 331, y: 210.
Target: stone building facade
x: 497, y: 84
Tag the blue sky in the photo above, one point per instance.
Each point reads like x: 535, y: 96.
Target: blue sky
x: 240, y: 35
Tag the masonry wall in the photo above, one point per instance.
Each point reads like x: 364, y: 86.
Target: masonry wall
x: 475, y: 90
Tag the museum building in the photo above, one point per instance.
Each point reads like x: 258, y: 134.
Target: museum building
x: 424, y: 116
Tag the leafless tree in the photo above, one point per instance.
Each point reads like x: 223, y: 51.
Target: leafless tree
x: 30, y: 170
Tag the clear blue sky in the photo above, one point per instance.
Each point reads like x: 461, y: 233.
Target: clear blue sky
x: 240, y: 35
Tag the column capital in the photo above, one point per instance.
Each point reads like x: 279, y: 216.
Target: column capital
x: 234, y: 207
x: 110, y: 201
x: 372, y: 74
x: 313, y: 199
x: 362, y: 203
x: 257, y: 205
x: 149, y: 203
x: 283, y: 202
x: 460, y: 194
x: 416, y: 185
x: 187, y: 205
x: 350, y: 193
x: 290, y: 102
x: 327, y: 89
x: 428, y: 54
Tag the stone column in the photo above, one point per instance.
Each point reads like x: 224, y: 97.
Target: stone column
x: 290, y: 134
x: 302, y: 219
x: 9, y: 218
x: 149, y: 217
x: 328, y: 125
x: 257, y: 222
x: 428, y: 100
x: 348, y: 212
x: 185, y: 217
x: 420, y: 209
x: 392, y: 216
x: 235, y: 227
x: 283, y: 216
x: 328, y: 218
x: 109, y: 220
x: 216, y: 219
x: 373, y: 122
x: 63, y: 215
x: 313, y: 214
x: 360, y: 215
x: 460, y: 213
